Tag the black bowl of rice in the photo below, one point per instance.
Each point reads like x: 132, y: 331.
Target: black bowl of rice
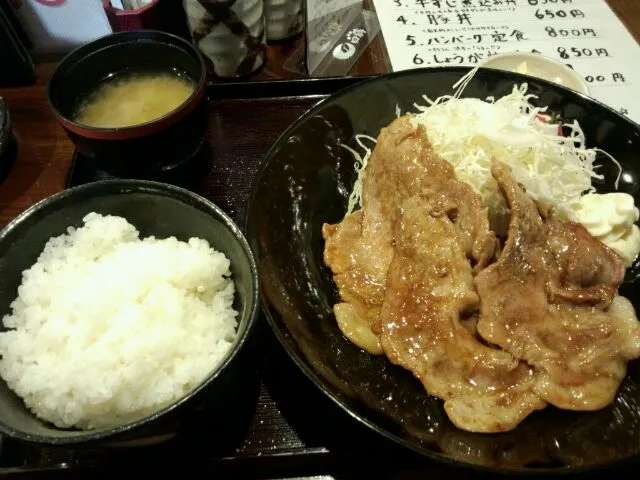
x: 125, y: 304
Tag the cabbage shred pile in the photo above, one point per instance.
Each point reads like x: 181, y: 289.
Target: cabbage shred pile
x: 469, y: 133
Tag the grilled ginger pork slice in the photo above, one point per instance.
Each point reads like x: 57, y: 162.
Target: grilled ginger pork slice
x: 551, y: 300
x: 429, y: 287
x: 359, y: 249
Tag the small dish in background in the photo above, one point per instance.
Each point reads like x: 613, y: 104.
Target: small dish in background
x: 539, y: 66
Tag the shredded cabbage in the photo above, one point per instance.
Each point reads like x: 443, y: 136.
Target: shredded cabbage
x: 469, y: 132
x: 360, y: 167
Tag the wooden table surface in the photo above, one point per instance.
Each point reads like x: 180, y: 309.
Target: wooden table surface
x: 44, y: 152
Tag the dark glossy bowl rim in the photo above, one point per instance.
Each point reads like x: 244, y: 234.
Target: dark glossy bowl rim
x: 141, y: 129
x: 273, y: 318
x: 189, y: 198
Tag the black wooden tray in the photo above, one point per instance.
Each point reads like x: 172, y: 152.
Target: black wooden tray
x: 278, y: 425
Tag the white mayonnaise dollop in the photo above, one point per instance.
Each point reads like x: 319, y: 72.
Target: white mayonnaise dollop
x: 611, y: 218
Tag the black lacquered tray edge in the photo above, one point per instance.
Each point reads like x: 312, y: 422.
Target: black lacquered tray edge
x: 282, y: 88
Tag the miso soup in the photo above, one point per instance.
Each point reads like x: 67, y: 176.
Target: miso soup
x: 132, y: 99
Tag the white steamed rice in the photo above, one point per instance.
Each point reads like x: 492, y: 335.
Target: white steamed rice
x: 108, y: 328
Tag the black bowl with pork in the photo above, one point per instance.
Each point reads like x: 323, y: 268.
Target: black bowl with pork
x: 304, y: 183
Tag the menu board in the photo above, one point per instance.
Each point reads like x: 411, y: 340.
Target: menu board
x: 585, y: 34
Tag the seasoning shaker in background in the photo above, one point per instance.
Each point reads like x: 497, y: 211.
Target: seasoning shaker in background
x: 230, y: 34
x: 284, y: 18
